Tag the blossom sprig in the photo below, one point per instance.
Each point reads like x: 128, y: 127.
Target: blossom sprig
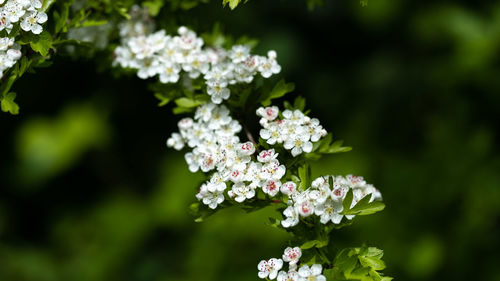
x: 166, y: 56
x: 235, y: 171
x: 10, y: 53
x: 325, y: 199
x: 271, y: 268
x: 25, y: 14
x: 296, y: 131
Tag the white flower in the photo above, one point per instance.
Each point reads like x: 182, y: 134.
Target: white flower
x: 267, y: 155
x: 13, y: 11
x: 299, y: 143
x: 288, y: 188
x: 175, y: 141
x: 271, y: 187
x: 218, y: 91
x: 242, y: 192
x: 292, y: 217
x: 212, y: 199
x: 239, y: 53
x: 269, y: 113
x: 305, y: 208
x: 329, y: 211
x: 170, y: 73
x: 288, y: 276
x: 246, y: 148
x: 32, y: 20
x: 204, y: 112
x: 272, y: 134
x: 311, y: 274
x: 269, y: 67
x: 269, y: 268
x: 292, y: 255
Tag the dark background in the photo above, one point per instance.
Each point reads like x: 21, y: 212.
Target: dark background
x: 89, y: 191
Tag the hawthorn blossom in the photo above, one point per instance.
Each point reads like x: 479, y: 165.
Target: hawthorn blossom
x: 292, y: 255
x: 215, y: 148
x: 269, y: 268
x: 288, y: 188
x: 295, y: 131
x: 166, y: 56
x: 292, y: 217
x: 325, y: 198
x: 32, y: 20
x: 288, y: 276
x: 242, y: 192
x: 312, y: 273
x: 21, y: 13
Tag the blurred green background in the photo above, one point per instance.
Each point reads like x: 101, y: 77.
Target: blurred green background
x: 89, y: 191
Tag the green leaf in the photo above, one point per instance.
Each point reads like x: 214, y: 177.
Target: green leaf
x: 232, y: 3
x: 8, y: 104
x: 94, y: 23
x: 42, y: 43
x: 200, y: 211
x: 187, y: 103
x: 374, y: 252
x: 61, y: 19
x: 163, y: 99
x: 314, y: 243
x: 7, y: 84
x: 359, y: 273
x: 372, y: 262
x: 154, y: 6
x: 346, y: 204
x: 304, y: 176
x: 299, y: 103
x: 46, y: 4
x: 363, y: 207
x: 279, y: 90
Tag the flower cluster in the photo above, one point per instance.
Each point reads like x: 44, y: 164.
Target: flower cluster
x: 326, y: 202
x: 167, y: 56
x: 271, y: 268
x: 295, y: 131
x: 10, y: 52
x: 216, y: 147
x: 24, y: 12
x: 27, y: 14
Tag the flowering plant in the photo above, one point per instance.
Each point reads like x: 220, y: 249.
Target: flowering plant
x: 221, y: 87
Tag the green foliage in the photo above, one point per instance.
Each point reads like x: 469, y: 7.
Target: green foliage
x: 280, y: 89
x: 362, y: 207
x: 232, y: 3
x: 8, y: 104
x: 358, y: 264
x: 42, y: 43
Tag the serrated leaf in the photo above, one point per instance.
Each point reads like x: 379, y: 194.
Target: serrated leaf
x: 374, y: 252
x: 358, y: 273
x: 280, y: 89
x: 372, y: 262
x: 9, y: 105
x: 42, y: 43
